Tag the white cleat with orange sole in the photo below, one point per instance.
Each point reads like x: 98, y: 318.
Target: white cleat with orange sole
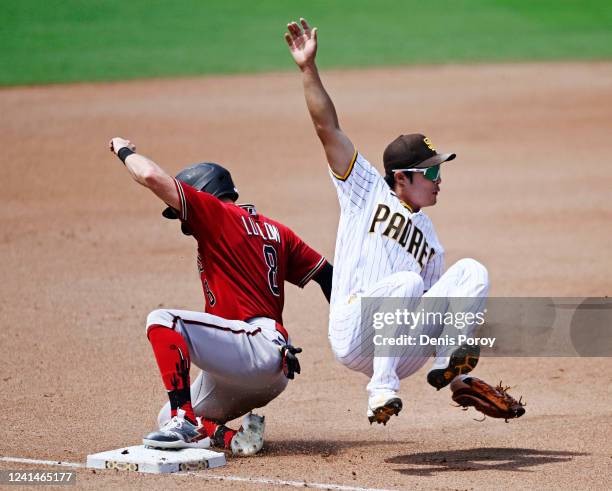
x: 382, y: 406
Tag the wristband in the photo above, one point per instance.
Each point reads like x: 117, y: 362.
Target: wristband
x: 124, y: 153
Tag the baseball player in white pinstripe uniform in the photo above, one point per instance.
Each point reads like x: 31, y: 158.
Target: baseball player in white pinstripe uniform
x: 386, y: 245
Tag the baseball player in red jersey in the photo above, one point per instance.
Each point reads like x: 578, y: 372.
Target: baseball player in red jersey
x: 239, y: 343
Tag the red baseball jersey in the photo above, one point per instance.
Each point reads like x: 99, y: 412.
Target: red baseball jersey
x: 244, y: 258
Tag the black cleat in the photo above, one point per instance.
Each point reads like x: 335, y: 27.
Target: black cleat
x: 463, y: 360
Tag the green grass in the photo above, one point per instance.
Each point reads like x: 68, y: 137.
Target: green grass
x: 49, y: 41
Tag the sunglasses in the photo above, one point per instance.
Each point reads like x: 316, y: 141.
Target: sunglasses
x: 431, y: 173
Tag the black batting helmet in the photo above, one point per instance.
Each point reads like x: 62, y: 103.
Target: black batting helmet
x: 208, y: 177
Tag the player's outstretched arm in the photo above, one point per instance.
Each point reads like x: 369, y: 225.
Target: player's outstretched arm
x: 339, y: 149
x: 146, y: 172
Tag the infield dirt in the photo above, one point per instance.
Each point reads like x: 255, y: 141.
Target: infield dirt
x: 86, y: 255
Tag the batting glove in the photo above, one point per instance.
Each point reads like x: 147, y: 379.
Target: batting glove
x: 290, y: 363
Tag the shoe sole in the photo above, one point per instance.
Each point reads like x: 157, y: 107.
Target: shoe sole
x: 177, y: 445
x: 462, y: 361
x: 250, y: 439
x: 382, y: 414
x: 247, y: 445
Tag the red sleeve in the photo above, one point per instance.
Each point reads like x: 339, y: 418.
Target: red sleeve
x: 202, y: 212
x: 303, y: 262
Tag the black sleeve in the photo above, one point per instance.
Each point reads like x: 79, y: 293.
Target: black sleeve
x: 324, y: 279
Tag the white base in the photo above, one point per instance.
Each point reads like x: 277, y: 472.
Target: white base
x: 141, y: 459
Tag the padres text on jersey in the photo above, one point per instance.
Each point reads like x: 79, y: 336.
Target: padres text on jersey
x: 378, y: 234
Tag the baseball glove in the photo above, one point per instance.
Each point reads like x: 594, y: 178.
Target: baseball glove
x: 490, y: 401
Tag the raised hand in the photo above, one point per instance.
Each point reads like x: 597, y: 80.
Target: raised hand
x: 302, y: 42
x: 118, y: 143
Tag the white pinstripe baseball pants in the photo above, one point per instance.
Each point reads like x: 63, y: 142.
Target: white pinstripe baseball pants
x: 465, y: 279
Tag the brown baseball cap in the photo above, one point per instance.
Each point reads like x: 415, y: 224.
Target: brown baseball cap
x: 414, y: 151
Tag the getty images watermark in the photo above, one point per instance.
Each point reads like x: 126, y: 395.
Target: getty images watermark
x: 532, y: 326
x: 410, y: 321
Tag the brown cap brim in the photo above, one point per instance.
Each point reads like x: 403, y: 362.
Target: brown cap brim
x: 435, y: 160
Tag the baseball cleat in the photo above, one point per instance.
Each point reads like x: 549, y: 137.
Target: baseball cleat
x: 383, y: 406
x: 249, y: 438
x: 463, y: 360
x: 176, y: 434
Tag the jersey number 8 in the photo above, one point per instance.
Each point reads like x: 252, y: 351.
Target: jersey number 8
x: 271, y: 260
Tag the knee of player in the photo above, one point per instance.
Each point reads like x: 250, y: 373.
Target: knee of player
x: 159, y: 317
x: 411, y: 283
x: 475, y: 271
